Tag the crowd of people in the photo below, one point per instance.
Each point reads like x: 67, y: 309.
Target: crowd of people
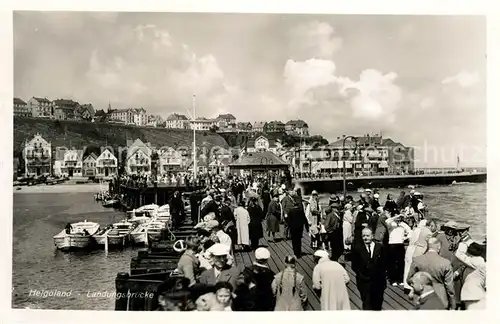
x: 393, y: 243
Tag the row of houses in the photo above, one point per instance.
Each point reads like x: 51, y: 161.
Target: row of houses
x: 62, y: 109
x: 372, y: 154
x: 68, y: 109
x: 228, y: 123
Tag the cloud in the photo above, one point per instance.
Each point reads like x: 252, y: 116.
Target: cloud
x: 427, y: 103
x: 314, y: 40
x: 463, y: 78
x: 374, y: 96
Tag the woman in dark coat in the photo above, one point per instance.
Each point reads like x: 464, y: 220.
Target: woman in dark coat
x: 255, y: 226
x: 266, y: 199
x: 273, y: 218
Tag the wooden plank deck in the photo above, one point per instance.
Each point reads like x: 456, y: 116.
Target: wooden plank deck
x: 394, y: 297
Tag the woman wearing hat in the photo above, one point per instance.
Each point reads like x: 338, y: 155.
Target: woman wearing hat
x: 473, y: 257
x: 273, y: 218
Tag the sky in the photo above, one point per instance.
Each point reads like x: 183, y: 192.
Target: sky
x: 420, y: 80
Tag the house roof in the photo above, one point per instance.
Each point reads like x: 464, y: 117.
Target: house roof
x: 106, y: 150
x: 100, y: 112
x: 18, y: 101
x: 91, y: 156
x: 225, y: 116
x: 177, y: 117
x: 275, y: 123
x: 259, y: 159
x: 297, y: 123
x: 79, y: 153
x: 137, y: 145
x: 41, y: 100
x: 363, y: 140
x: 65, y: 102
x: 131, y: 110
x: 259, y: 124
x: 89, y: 107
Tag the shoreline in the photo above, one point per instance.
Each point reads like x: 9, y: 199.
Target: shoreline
x: 58, y: 188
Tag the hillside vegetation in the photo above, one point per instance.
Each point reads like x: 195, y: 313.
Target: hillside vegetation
x: 79, y: 134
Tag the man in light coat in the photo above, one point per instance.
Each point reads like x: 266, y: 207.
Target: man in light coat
x: 329, y: 281
x: 440, y: 270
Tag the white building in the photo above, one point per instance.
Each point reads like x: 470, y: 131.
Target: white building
x: 263, y: 144
x: 202, y: 124
x: 177, y: 121
x: 107, y: 164
x: 72, y: 163
x: 41, y: 107
x: 38, y: 156
x: 138, y: 159
x: 130, y: 116
x: 170, y: 160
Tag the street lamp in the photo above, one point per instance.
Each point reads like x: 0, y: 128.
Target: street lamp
x: 343, y: 159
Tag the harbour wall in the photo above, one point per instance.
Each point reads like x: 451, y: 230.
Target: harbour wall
x: 334, y: 185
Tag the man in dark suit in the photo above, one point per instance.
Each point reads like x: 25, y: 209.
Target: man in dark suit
x: 424, y: 294
x: 369, y: 264
x: 297, y: 221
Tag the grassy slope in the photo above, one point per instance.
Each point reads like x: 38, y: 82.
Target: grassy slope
x: 82, y: 134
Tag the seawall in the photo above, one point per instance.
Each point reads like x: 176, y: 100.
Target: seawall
x: 333, y: 185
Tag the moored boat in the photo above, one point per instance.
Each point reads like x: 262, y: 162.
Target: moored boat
x: 139, y: 235
x: 154, y: 230
x: 119, y: 235
x: 76, y: 235
x: 110, y: 203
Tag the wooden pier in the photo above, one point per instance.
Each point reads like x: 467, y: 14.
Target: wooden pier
x: 149, y: 269
x: 394, y: 298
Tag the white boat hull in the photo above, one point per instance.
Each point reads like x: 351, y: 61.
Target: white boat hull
x: 76, y: 240
x: 69, y: 241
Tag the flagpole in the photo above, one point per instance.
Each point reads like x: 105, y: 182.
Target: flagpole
x: 194, y: 138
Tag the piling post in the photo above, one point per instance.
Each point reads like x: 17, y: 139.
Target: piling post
x: 121, y: 283
x: 106, y: 243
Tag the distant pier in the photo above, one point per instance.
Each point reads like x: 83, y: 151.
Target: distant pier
x: 335, y: 184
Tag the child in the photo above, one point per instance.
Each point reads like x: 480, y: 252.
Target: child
x: 223, y: 296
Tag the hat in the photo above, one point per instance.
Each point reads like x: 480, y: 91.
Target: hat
x: 412, y: 192
x: 314, y: 192
x: 368, y: 190
x: 360, y: 207
x: 348, y: 206
x: 380, y: 209
x: 334, y: 198
x: 212, y: 224
x: 376, y: 195
x: 283, y: 186
x: 262, y: 254
x: 219, y: 249
x: 222, y: 190
x: 321, y: 254
x: 416, y: 193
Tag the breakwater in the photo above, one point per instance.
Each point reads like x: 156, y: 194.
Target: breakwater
x: 332, y: 185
